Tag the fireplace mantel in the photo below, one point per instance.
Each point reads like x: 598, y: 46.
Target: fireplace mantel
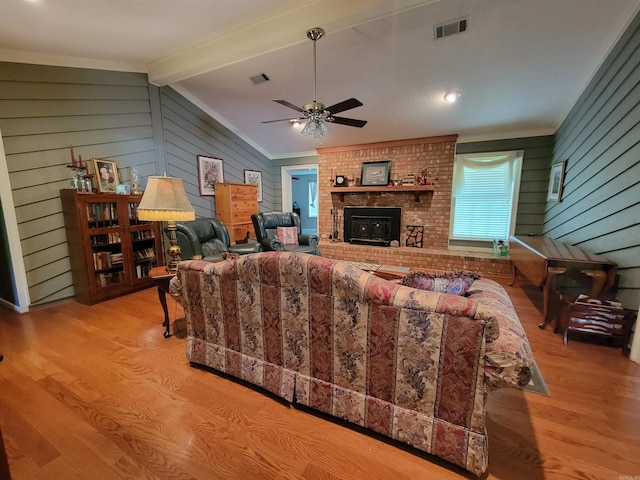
x: 417, y: 190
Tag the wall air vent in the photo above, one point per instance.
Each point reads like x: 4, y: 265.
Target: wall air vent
x: 451, y: 28
x: 259, y: 78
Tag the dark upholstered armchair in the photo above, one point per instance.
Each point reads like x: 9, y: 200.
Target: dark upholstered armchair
x: 266, y: 225
x: 208, y: 238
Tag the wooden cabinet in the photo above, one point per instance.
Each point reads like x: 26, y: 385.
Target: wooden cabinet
x: 235, y: 203
x: 110, y: 250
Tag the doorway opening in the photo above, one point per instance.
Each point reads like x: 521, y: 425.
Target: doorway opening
x: 300, y: 194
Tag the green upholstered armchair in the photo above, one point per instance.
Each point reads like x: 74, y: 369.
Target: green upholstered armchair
x: 266, y: 225
x: 208, y: 238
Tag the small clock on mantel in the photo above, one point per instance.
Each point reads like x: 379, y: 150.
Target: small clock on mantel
x: 341, y: 181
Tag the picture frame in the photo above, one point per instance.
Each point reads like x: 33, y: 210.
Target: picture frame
x: 106, y: 175
x: 556, y: 182
x: 210, y: 172
x: 375, y: 173
x: 254, y: 176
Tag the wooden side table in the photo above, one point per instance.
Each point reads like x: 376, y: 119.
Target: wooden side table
x: 595, y: 317
x: 162, y: 277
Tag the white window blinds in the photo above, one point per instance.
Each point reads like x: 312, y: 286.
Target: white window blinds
x: 485, y: 192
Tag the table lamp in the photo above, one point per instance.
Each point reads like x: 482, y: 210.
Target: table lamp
x: 165, y: 200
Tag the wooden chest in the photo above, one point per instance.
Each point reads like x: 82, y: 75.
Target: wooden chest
x: 235, y: 203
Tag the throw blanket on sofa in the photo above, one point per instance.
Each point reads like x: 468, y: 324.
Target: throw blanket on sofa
x: 410, y: 364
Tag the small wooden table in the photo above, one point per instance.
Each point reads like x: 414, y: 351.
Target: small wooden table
x: 162, y: 277
x: 541, y: 258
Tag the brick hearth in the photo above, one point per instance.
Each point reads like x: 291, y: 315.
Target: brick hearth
x: 427, y: 258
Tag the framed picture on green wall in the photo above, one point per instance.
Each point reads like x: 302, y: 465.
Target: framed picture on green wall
x: 556, y: 182
x: 210, y: 172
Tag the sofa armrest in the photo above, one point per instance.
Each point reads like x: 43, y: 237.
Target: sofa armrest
x: 311, y: 240
x: 509, y: 360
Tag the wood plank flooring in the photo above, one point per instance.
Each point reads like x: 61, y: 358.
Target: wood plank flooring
x: 98, y: 393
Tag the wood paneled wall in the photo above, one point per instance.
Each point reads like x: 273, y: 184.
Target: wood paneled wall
x: 103, y: 114
x: 600, y: 141
x: 538, y: 152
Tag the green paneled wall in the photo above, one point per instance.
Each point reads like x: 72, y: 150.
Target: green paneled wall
x: 44, y: 110
x: 189, y: 132
x: 600, y: 141
x: 103, y: 114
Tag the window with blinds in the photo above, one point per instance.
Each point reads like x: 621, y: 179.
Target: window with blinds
x: 485, y: 195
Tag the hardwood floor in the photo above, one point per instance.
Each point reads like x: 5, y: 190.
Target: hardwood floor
x: 98, y: 393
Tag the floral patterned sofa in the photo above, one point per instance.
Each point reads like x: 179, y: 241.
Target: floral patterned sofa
x: 413, y: 365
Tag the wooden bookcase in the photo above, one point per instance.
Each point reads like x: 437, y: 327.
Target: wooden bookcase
x: 111, y: 252
x: 235, y: 203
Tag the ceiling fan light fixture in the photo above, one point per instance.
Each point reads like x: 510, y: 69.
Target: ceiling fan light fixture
x: 452, y: 96
x: 315, y: 113
x: 315, y: 128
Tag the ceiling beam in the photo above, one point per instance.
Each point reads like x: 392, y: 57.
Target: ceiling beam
x: 274, y: 33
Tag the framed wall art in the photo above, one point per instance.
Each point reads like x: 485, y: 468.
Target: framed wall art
x: 210, y: 172
x: 556, y: 182
x: 106, y: 174
x: 254, y: 176
x: 375, y: 173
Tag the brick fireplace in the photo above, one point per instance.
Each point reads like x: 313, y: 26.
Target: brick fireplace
x: 407, y: 156
x: 431, y: 211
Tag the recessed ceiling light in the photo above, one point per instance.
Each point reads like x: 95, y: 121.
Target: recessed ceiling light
x: 452, y: 96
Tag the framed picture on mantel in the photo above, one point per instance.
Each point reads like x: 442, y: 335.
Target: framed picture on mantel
x: 375, y: 173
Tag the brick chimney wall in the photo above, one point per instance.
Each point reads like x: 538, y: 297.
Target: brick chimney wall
x: 432, y: 211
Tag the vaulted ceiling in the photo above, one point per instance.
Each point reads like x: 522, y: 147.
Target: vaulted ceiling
x: 520, y: 65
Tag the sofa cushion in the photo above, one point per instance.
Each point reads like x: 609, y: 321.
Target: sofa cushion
x: 454, y: 282
x: 287, y: 235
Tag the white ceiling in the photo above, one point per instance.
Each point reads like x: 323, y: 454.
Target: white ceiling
x: 520, y: 66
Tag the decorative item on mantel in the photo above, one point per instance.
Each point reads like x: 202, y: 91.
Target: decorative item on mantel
x: 408, y: 179
x: 80, y: 176
x: 426, y: 177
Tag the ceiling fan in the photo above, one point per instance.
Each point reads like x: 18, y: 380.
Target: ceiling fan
x: 318, y: 114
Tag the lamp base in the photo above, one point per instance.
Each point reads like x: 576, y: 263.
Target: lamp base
x: 174, y: 249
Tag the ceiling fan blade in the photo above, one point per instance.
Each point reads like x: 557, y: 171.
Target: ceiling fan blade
x: 344, y: 105
x: 351, y: 122
x: 290, y: 105
x: 279, y: 120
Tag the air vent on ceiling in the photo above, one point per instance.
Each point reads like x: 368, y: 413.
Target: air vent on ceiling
x: 451, y: 28
x: 260, y: 78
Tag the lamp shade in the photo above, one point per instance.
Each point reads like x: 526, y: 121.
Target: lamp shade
x: 165, y: 200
